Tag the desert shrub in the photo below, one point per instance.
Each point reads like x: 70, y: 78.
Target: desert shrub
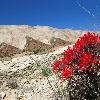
x: 80, y: 66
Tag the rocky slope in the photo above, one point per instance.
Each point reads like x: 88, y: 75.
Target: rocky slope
x: 21, y: 67
x: 21, y: 78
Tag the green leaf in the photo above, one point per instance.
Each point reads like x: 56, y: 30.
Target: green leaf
x: 46, y: 72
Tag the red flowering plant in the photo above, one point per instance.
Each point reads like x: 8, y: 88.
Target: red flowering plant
x: 82, y: 59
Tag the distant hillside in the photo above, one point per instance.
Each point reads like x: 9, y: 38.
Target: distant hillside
x: 35, y: 46
x: 8, y: 50
x: 24, y: 38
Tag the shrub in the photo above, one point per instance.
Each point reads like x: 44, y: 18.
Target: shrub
x: 80, y: 65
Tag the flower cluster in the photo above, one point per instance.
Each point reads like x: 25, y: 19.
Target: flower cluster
x: 84, y: 55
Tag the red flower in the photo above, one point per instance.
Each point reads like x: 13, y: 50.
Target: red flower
x: 85, y: 59
x: 88, y: 39
x: 79, y: 44
x: 68, y: 54
x: 80, y: 57
x: 96, y: 61
x: 56, y: 65
x: 65, y: 73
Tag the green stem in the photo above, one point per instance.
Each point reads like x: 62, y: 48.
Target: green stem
x: 50, y: 84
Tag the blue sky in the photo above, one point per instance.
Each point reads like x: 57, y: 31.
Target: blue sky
x: 56, y: 13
